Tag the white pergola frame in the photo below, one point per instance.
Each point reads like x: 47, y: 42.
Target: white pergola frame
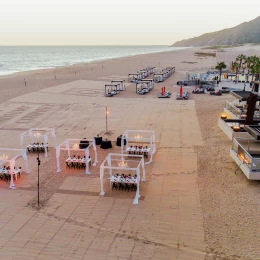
x: 140, y: 85
x: 67, y: 148
x: 110, y: 158
x: 150, y: 140
x: 121, y: 84
x: 11, y: 162
x: 47, y: 131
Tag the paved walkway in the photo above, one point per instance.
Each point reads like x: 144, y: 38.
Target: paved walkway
x: 76, y: 223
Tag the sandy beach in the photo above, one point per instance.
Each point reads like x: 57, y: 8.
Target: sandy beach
x: 195, y: 204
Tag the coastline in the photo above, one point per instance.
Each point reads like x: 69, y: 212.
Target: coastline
x: 194, y: 203
x: 86, y: 62
x: 13, y: 85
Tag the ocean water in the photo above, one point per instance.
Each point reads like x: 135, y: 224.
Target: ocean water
x: 25, y: 58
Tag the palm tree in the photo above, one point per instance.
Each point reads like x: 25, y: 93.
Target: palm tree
x: 236, y: 66
x: 249, y: 64
x: 240, y: 58
x: 220, y: 66
x: 253, y: 65
x: 256, y: 71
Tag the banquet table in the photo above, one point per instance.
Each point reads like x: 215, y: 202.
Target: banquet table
x: 142, y: 150
x: 76, y: 160
x: 118, y: 179
x: 36, y: 147
x: 106, y: 145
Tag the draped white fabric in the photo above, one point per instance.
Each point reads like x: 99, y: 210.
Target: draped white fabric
x: 137, y: 195
x: 42, y: 132
x: 16, y: 153
x: 102, y: 193
x: 86, y: 150
x: 12, y: 163
x: 95, y: 152
x: 24, y: 154
x: 87, y: 157
x: 46, y: 141
x: 54, y: 137
x: 58, y: 158
x: 140, y: 139
x: 107, y: 164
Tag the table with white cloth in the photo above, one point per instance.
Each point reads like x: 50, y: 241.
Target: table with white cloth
x: 81, y: 161
x: 140, y: 151
x: 119, y: 179
x: 37, y: 147
x: 124, y: 183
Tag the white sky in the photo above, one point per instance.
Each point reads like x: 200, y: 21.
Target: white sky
x: 117, y: 22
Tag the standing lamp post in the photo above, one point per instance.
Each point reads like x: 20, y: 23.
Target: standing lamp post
x: 106, y: 118
x: 38, y: 185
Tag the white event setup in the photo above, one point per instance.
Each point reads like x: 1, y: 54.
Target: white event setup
x: 9, y: 156
x: 74, y: 145
x: 140, y: 142
x: 121, y: 84
x: 122, y: 163
x: 39, y: 138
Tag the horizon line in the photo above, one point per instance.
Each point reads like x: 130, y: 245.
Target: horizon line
x: 74, y: 45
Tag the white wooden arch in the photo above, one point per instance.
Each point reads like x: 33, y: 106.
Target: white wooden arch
x: 74, y: 145
x: 9, y: 155
x: 112, y: 162
x: 35, y: 134
x: 138, y: 137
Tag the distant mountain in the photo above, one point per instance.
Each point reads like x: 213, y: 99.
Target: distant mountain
x: 248, y: 32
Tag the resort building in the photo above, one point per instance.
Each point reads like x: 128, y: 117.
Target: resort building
x: 245, y: 149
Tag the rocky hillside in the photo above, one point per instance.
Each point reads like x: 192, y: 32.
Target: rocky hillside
x: 248, y: 32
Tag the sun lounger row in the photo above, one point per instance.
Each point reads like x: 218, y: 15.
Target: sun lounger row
x: 141, y: 74
x: 185, y: 95
x: 166, y: 94
x: 163, y: 74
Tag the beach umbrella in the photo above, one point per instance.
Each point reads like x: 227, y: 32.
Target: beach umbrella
x: 162, y: 92
x: 180, y: 91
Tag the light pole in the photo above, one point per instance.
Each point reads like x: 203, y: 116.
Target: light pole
x: 39, y: 163
x: 106, y: 118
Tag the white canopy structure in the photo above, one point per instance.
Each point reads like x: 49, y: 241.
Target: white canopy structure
x: 121, y: 84
x: 120, y: 162
x: 138, y: 137
x: 75, y: 145
x: 8, y: 155
x: 35, y: 134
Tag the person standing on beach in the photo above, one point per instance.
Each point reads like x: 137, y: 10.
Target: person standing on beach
x: 25, y: 82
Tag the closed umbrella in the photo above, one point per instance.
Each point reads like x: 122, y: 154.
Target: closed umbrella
x: 180, y: 91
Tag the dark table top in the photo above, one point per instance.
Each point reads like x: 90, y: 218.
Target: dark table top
x: 118, y: 141
x: 98, y: 140
x: 106, y: 144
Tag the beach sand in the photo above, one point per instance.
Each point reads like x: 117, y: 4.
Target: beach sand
x: 193, y: 204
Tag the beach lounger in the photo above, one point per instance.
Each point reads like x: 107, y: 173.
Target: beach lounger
x: 185, y: 95
x: 216, y: 93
